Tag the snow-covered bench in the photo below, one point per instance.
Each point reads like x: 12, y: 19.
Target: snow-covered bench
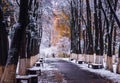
x: 20, y: 79
x: 95, y: 66
x: 28, y: 78
x: 34, y: 71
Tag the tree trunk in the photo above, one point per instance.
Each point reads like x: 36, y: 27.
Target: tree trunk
x: 114, y: 40
x: 97, y: 32
x: 110, y: 35
x: 3, y: 43
x: 101, y: 46
x: 22, y: 53
x: 9, y: 75
x: 89, y: 39
x: 22, y: 66
x: 113, y: 12
x: 96, y: 27
x: 109, y: 53
x: 88, y: 29
x: 118, y: 66
x: 28, y: 50
x: 75, y: 27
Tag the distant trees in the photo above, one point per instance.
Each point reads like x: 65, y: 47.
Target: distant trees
x: 98, y: 23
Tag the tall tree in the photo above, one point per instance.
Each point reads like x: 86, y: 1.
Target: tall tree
x: 89, y: 33
x: 109, y: 19
x: 96, y: 27
x: 89, y: 29
x: 17, y: 44
x: 75, y: 27
x: 3, y: 42
x: 98, y: 31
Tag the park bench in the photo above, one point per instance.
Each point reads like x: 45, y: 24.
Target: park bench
x: 34, y: 71
x: 95, y: 66
x: 28, y: 78
x: 39, y: 62
x: 80, y: 62
x: 20, y: 79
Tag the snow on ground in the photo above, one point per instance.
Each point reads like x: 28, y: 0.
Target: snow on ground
x: 51, y: 69
x: 49, y: 73
x: 45, y: 67
x: 102, y: 72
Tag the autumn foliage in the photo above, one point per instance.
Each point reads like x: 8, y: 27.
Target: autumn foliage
x: 61, y: 28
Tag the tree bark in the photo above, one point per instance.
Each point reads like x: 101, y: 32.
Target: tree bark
x: 16, y: 45
x: 110, y: 35
x: 113, y: 12
x: 75, y: 27
x: 88, y: 29
x: 96, y: 27
x: 3, y: 43
x: 118, y: 65
x: 89, y: 37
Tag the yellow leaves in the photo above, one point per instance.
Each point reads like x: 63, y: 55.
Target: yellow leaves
x: 61, y: 25
x: 64, y: 30
x: 65, y: 16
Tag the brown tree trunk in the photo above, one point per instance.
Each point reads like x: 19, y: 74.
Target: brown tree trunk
x: 110, y: 35
x: 28, y: 50
x: 28, y: 63
x: 118, y: 66
x: 22, y: 66
x: 1, y: 71
x: 24, y: 20
x: 89, y: 39
x: 22, y: 53
x: 75, y: 27
x: 109, y: 63
x: 3, y: 43
x: 98, y: 32
x: 9, y: 75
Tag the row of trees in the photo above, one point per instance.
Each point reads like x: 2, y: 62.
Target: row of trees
x: 25, y: 41
x: 94, y: 22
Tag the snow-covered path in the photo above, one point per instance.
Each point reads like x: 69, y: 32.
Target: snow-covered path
x: 61, y: 71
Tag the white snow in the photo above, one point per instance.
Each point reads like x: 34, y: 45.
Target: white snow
x: 45, y: 67
x: 102, y: 72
